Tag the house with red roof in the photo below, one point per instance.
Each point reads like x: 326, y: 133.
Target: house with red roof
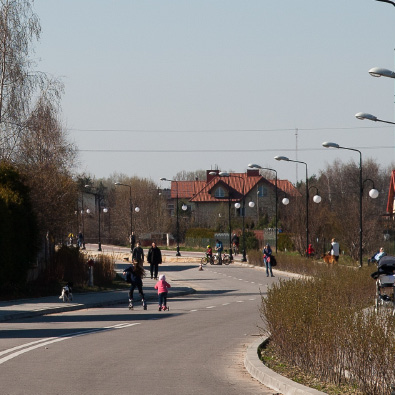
x: 211, y: 198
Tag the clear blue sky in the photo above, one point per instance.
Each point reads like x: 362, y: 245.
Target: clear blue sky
x: 150, y: 86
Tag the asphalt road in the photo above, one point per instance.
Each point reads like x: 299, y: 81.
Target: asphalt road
x: 195, y: 348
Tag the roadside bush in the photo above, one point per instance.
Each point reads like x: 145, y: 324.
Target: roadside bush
x: 320, y: 324
x: 285, y: 242
x: 104, y: 270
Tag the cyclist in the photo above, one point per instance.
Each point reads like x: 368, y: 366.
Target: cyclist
x: 219, y: 248
x: 209, y: 253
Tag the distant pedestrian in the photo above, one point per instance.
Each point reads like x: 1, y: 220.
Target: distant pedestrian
x: 138, y: 255
x: 219, y: 247
x: 267, y: 257
x: 335, y: 249
x: 80, y: 240
x: 134, y: 275
x: 132, y: 240
x: 310, y: 251
x: 162, y: 286
x: 154, y: 258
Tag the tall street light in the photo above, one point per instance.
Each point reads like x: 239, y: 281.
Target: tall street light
x: 137, y: 209
x: 373, y: 193
x: 255, y: 166
x: 370, y: 117
x: 99, y: 198
x: 178, y: 224
x: 284, y: 158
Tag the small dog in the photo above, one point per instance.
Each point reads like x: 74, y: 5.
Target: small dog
x: 328, y: 258
x: 67, y: 294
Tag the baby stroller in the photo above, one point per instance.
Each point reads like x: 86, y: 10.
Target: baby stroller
x: 385, y: 279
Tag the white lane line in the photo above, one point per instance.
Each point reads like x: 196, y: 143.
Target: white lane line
x: 225, y: 304
x: 192, y: 310
x: 239, y: 301
x: 25, y: 345
x: 210, y: 307
x: 47, y: 341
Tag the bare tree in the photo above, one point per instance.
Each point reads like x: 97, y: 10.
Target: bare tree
x: 19, y: 29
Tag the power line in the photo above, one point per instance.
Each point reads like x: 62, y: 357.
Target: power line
x: 226, y: 130
x: 221, y: 150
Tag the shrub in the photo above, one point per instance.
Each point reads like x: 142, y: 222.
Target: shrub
x: 103, y: 270
x: 202, y: 233
x: 321, y: 324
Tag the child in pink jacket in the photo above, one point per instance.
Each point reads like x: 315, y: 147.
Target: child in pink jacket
x: 162, y: 285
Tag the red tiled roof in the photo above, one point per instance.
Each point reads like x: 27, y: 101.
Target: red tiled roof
x: 186, y: 189
x: 236, y: 182
x: 199, y: 191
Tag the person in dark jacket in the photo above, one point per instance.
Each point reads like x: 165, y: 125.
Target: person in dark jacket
x: 134, y: 275
x: 138, y: 255
x: 154, y: 258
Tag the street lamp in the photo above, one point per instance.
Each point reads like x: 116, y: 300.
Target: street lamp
x: 178, y: 224
x: 255, y: 166
x: 381, y: 72
x: 137, y: 209
x: 99, y: 198
x: 284, y: 158
x: 370, y: 117
x: 373, y: 193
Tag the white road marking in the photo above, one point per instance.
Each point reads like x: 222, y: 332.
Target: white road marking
x: 210, y: 307
x: 44, y: 342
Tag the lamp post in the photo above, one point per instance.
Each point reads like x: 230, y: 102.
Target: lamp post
x: 370, y: 117
x: 373, y: 193
x: 237, y: 205
x: 137, y: 209
x: 255, y: 166
x: 284, y: 158
x: 178, y: 224
x: 99, y: 199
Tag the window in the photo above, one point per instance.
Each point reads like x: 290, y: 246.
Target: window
x: 219, y: 192
x: 262, y: 191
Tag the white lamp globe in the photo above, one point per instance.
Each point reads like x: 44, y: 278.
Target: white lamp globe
x: 373, y: 193
x: 251, y: 204
x: 237, y: 205
x: 88, y: 211
x: 317, y: 199
x: 137, y: 209
x: 285, y: 201
x: 184, y: 207
x: 105, y: 210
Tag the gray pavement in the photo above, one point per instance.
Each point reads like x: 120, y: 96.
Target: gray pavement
x: 27, y: 308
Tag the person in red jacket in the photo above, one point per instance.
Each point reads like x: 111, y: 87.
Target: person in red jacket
x: 310, y: 251
x: 162, y: 285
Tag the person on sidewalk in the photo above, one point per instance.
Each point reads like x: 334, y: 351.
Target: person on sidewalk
x: 335, y: 250
x: 134, y: 276
x: 162, y: 286
x: 138, y: 255
x: 219, y: 247
x: 267, y: 256
x: 154, y: 258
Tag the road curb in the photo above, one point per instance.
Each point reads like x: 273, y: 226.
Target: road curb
x: 270, y: 378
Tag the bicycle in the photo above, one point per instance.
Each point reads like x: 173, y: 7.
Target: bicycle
x: 225, y: 259
x: 207, y: 259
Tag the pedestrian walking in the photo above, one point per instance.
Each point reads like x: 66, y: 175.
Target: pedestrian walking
x: 134, y: 276
x: 138, y: 255
x: 154, y: 258
x: 162, y: 286
x: 267, y: 257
